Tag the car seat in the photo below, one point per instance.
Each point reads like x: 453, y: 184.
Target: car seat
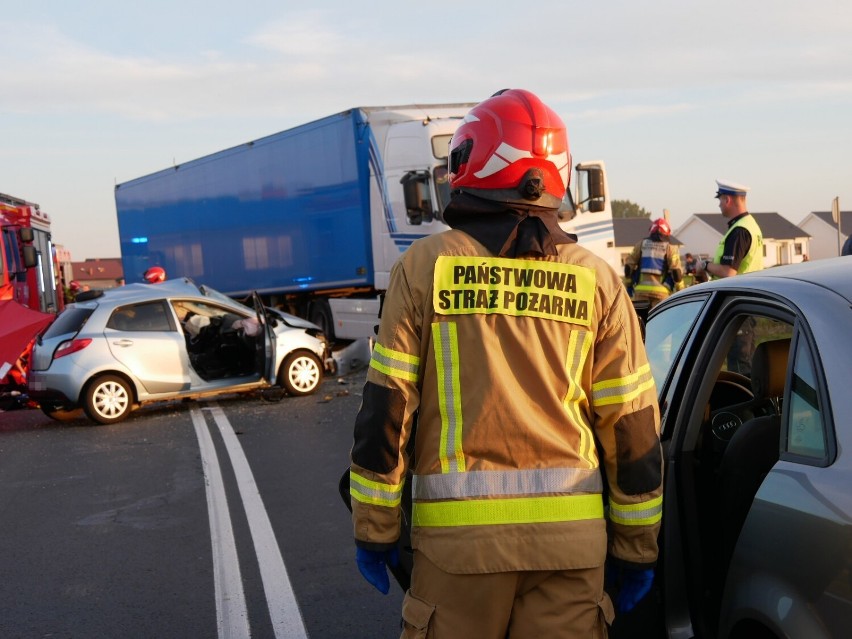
x: 754, y: 447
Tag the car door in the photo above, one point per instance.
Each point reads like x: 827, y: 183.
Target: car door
x: 711, y: 388
x: 144, y: 338
x: 266, y: 345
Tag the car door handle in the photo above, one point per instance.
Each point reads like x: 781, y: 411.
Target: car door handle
x: 123, y: 342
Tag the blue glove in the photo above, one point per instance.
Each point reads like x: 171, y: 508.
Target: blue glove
x: 632, y: 584
x: 372, y: 564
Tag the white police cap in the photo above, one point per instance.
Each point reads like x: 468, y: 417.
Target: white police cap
x: 726, y: 187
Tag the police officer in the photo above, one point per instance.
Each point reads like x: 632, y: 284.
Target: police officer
x: 740, y: 251
x: 741, y: 248
x: 654, y: 265
x: 518, y: 356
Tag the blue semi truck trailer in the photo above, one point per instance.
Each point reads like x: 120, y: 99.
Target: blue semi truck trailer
x: 313, y: 218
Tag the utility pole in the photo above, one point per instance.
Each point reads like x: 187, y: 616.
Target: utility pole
x: 835, y: 215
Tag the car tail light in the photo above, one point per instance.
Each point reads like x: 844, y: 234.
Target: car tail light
x: 71, y: 346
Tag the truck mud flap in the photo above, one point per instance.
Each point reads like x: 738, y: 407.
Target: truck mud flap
x: 402, y: 571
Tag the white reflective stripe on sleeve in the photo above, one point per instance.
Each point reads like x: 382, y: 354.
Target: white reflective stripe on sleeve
x: 641, y: 514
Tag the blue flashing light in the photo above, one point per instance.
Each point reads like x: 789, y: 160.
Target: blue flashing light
x: 139, y: 240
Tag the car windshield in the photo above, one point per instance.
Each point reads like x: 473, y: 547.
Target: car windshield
x: 216, y: 295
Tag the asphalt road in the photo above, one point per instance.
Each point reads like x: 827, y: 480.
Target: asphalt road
x: 192, y: 519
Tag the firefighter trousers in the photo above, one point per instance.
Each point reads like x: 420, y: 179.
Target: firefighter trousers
x: 517, y: 605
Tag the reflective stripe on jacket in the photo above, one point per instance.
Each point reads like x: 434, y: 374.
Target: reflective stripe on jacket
x: 519, y: 371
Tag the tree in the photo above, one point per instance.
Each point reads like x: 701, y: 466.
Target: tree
x: 626, y: 208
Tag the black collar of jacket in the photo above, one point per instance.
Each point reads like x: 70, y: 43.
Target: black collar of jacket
x: 507, y: 230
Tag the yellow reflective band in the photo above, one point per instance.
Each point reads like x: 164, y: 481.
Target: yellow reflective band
x: 521, y: 510
x: 372, y: 492
x: 642, y: 514
x: 395, y: 363
x: 533, y: 288
x: 579, y: 344
x: 651, y: 288
x: 623, y: 389
x: 446, y: 343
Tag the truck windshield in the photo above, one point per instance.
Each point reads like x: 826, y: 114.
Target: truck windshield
x: 10, y: 245
x: 441, y: 151
x: 442, y: 188
x: 441, y: 146
x: 567, y: 210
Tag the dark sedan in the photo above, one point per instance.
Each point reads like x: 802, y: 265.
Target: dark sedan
x: 753, y: 374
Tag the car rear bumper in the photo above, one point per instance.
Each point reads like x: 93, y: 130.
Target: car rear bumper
x: 42, y: 385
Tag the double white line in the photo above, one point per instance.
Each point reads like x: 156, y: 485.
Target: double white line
x: 231, y: 613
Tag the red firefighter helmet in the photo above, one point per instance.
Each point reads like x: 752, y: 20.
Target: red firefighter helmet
x: 155, y: 274
x: 512, y: 148
x: 661, y: 227
x: 74, y: 286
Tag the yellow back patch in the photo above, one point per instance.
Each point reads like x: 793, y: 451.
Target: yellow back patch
x: 533, y: 288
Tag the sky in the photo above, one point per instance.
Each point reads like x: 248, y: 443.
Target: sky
x: 670, y: 94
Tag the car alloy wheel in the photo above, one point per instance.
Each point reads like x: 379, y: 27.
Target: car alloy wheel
x: 108, y: 399
x: 301, y: 373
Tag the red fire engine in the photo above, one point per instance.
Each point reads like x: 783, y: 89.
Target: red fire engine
x: 30, y: 291
x: 28, y: 267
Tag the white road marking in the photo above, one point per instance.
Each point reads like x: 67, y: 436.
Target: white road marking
x: 231, y: 613
x: 284, y: 611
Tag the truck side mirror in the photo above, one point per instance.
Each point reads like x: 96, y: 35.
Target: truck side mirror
x: 27, y: 234
x: 415, y: 190
x: 596, y: 206
x: 30, y: 255
x: 596, y: 183
x: 597, y: 194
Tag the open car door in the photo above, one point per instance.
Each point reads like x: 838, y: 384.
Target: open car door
x: 266, y: 342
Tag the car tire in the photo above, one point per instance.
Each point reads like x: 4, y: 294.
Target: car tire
x: 108, y: 400
x: 301, y: 373
x: 61, y: 414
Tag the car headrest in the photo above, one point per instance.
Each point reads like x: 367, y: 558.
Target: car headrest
x: 769, y: 368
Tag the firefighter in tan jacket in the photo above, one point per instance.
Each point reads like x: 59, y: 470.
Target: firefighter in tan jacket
x: 513, y: 358
x: 653, y: 266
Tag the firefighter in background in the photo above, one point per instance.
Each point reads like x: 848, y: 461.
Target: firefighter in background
x: 653, y: 267
x: 155, y: 275
x: 518, y: 356
x: 71, y: 291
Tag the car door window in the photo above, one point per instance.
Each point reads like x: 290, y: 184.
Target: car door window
x: 151, y: 316
x: 665, y: 334
x: 805, y: 428
x: 736, y: 380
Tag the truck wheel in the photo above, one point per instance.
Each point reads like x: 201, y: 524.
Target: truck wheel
x: 59, y: 413
x: 108, y: 399
x: 301, y: 373
x: 319, y: 313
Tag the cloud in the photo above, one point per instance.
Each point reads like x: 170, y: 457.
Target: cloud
x: 317, y: 61
x: 302, y: 35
